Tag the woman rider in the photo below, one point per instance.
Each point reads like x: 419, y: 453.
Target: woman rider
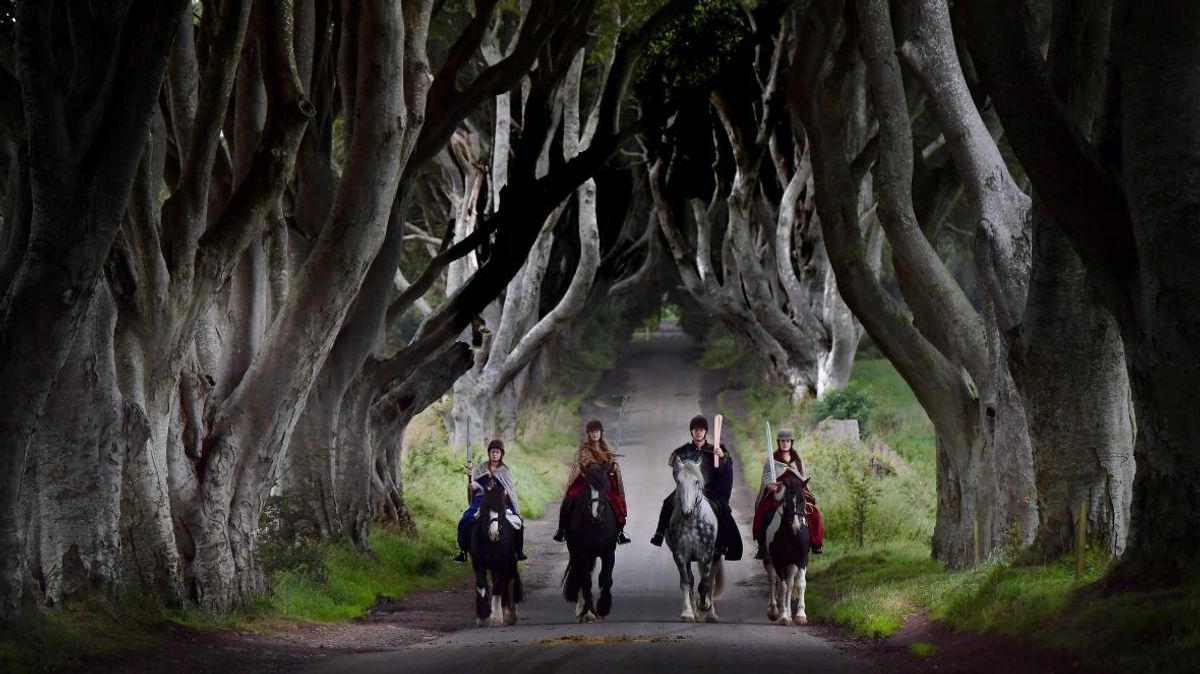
x: 594, y: 451
x: 788, y: 466
x: 482, y: 477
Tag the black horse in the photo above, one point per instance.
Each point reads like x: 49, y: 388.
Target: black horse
x: 494, y: 550
x: 786, y: 559
x: 591, y: 534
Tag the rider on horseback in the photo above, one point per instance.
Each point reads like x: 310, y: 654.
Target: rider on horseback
x: 482, y: 477
x: 788, y: 466
x: 594, y: 451
x: 718, y: 486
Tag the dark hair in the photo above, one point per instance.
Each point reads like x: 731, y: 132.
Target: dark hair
x: 698, y: 421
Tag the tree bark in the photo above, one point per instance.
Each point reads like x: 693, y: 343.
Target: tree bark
x: 75, y: 216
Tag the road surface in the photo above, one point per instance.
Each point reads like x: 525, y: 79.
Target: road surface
x: 643, y: 633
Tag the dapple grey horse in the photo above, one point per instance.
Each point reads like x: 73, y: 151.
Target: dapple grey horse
x: 786, y: 555
x: 692, y: 537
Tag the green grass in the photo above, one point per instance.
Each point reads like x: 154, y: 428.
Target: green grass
x: 94, y: 626
x: 872, y: 590
x: 435, y: 491
x: 335, y: 583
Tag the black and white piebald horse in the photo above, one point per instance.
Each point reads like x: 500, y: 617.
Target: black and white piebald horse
x: 591, y: 535
x: 494, y: 552
x: 786, y: 555
x: 692, y: 538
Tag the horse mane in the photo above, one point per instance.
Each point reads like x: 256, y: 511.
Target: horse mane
x: 493, y: 498
x: 597, y: 477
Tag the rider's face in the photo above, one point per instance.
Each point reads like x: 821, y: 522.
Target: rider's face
x: 495, y: 455
x: 698, y: 435
x: 785, y: 446
x: 594, y: 436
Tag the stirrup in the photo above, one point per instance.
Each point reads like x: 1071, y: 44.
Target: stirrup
x: 461, y: 557
x: 758, y: 553
x: 657, y: 539
x: 623, y: 538
x: 560, y: 536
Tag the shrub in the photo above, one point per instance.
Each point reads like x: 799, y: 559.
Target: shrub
x: 848, y: 402
x: 288, y: 540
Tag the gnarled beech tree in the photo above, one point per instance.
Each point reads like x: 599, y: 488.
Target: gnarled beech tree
x: 1127, y: 206
x: 756, y: 259
x: 985, y: 485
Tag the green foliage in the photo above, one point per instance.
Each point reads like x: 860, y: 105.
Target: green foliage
x: 863, y: 494
x: 94, y: 628
x: 922, y: 649
x: 849, y: 402
x: 689, y: 51
x: 287, y: 541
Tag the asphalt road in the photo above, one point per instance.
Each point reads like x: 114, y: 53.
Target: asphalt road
x: 643, y: 633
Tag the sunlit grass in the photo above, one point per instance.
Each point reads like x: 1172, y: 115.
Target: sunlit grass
x: 873, y: 590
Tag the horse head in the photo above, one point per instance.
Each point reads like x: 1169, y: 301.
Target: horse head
x: 793, y: 506
x: 599, y: 486
x: 493, y: 506
x: 689, y: 484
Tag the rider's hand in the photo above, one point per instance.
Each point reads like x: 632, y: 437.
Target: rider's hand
x: 719, y: 452
x: 773, y: 487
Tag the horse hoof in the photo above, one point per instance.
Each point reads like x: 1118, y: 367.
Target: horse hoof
x: 800, y: 620
x: 687, y: 618
x: 481, y: 622
x: 772, y: 615
x: 785, y: 621
x: 710, y: 618
x: 588, y: 618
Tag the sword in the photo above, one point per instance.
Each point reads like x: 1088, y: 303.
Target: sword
x: 771, y: 454
x: 470, y: 461
x: 620, y: 418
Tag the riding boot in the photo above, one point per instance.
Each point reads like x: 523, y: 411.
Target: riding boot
x: 521, y: 544
x: 758, y: 552
x: 461, y: 557
x: 664, y: 520
x: 564, y: 515
x: 623, y: 538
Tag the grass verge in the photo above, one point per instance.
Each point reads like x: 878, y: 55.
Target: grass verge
x: 874, y: 585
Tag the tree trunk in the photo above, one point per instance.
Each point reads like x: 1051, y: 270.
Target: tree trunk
x: 1073, y: 377
x: 78, y: 453
x: 1160, y: 85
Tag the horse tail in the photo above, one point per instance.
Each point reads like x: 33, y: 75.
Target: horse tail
x: 718, y: 577
x: 569, y: 584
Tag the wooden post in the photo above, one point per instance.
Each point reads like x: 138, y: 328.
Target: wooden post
x: 717, y: 420
x: 1081, y: 539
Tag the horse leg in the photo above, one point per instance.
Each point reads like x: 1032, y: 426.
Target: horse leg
x: 483, y: 600
x: 585, y: 587
x: 785, y: 602
x: 685, y: 586
x: 704, y: 567
x: 510, y: 598
x: 607, y: 561
x: 799, y: 617
x: 773, y: 602
x: 500, y: 582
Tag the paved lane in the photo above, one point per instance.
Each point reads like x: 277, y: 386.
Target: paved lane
x: 643, y: 632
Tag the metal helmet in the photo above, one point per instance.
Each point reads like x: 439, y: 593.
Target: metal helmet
x: 785, y: 434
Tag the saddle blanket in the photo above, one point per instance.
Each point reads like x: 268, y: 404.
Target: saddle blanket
x: 513, y: 518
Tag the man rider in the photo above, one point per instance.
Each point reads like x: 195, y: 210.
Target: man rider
x: 718, y: 486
